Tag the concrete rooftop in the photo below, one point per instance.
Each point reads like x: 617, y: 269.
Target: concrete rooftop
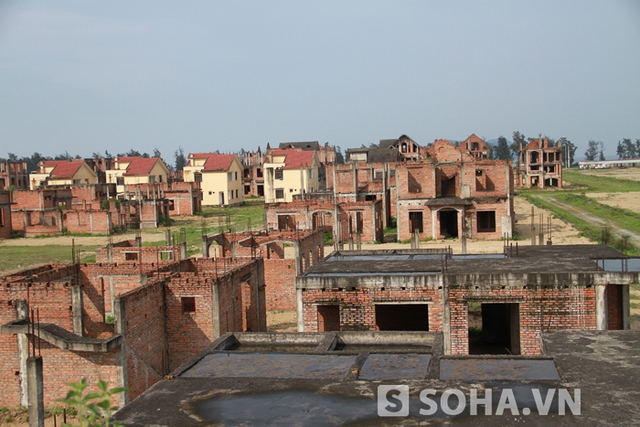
x: 226, y: 387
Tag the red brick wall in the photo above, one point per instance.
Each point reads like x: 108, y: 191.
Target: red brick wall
x: 542, y: 309
x: 144, y: 328
x: 357, y: 307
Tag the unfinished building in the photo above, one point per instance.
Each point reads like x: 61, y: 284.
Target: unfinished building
x: 6, y: 229
x: 540, y: 164
x: 14, y: 176
x: 285, y: 255
x: 129, y: 323
x: 511, y: 298
x: 453, y: 193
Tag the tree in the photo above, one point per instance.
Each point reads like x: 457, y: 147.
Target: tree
x: 592, y: 150
x: 180, y: 159
x: 519, y: 142
x: 601, y: 154
x: 157, y: 153
x: 568, y: 151
x: 502, y: 149
x: 626, y: 149
x: 339, y: 156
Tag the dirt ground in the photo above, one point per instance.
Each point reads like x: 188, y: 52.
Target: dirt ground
x: 630, y: 200
x: 620, y: 173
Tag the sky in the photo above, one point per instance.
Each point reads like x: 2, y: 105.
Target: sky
x: 93, y: 76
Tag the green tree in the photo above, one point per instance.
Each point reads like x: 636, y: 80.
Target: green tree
x: 519, y: 142
x: 180, y: 159
x: 502, y: 151
x: 339, y: 156
x: 568, y: 151
x: 592, y: 150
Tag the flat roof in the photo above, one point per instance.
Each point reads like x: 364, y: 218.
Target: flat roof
x: 603, y: 365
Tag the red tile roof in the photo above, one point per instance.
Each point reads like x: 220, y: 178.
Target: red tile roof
x: 62, y: 169
x: 139, y: 165
x: 218, y: 162
x: 295, y: 159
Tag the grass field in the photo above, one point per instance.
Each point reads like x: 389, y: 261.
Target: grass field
x: 16, y: 258
x: 619, y: 222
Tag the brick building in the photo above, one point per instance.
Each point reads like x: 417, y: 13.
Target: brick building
x: 6, y: 229
x: 540, y: 165
x: 454, y: 194
x: 128, y: 323
x: 76, y: 209
x: 285, y: 254
x: 14, y: 175
x: 253, y: 174
x: 510, y: 298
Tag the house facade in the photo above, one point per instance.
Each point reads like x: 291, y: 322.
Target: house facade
x: 290, y: 172
x: 136, y: 170
x: 62, y: 173
x: 220, y: 177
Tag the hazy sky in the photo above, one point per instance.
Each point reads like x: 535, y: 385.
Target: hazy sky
x: 89, y: 76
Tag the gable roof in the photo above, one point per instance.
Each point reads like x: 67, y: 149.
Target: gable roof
x: 214, y: 162
x: 139, y: 165
x: 63, y: 169
x: 295, y: 159
x: 311, y: 145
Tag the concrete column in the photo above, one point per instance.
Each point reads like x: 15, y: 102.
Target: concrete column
x: 36, y: 394
x: 139, y: 242
x: 299, y: 314
x: 601, y: 308
x: 183, y: 250
x: 167, y: 234
x: 446, y: 318
x: 298, y: 257
x: 215, y: 309
x: 119, y: 310
x: 76, y: 303
x: 110, y: 252
x: 205, y: 247
x: 626, y: 309
x: 358, y: 241
x: 23, y: 353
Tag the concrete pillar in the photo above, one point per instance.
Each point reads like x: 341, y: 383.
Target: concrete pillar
x: 36, y: 394
x: 23, y: 353
x: 215, y: 309
x: 183, y: 250
x: 358, y: 241
x: 139, y: 242
x: 110, y: 252
x: 76, y: 303
x: 167, y: 234
x: 297, y: 257
x: 119, y: 310
x: 205, y: 247
x: 299, y: 314
x: 350, y: 243
x: 446, y: 318
x: 626, y: 309
x: 601, y: 308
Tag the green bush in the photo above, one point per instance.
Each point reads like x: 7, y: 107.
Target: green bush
x: 93, y: 409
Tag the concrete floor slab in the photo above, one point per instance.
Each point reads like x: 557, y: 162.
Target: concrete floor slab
x: 498, y: 370
x: 395, y: 367
x: 272, y: 365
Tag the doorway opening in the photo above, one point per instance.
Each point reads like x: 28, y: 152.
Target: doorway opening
x: 494, y: 328
x: 448, y: 222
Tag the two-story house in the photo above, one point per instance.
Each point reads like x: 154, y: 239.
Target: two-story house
x: 62, y: 172
x: 289, y: 172
x: 136, y: 170
x: 220, y: 177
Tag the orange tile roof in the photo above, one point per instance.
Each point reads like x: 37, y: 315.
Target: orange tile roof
x: 139, y: 165
x: 295, y: 159
x: 63, y: 169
